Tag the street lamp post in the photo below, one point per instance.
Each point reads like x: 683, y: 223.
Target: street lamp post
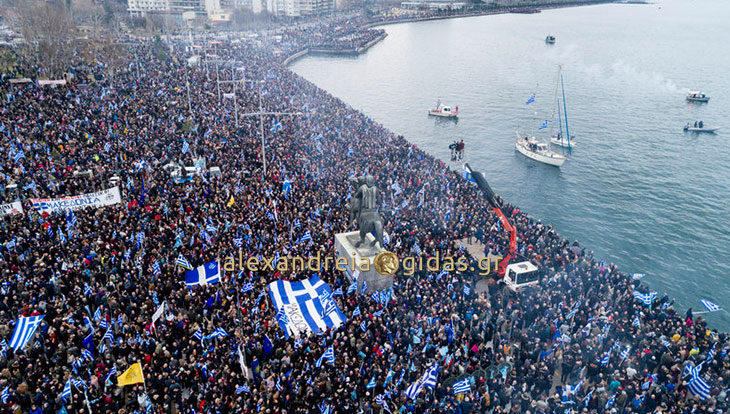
x: 261, y: 115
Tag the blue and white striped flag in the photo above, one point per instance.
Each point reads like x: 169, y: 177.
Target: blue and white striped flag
x: 247, y: 287
x: 282, y: 317
x: 711, y: 307
x: 356, y: 312
x: 637, y: 322
x: 5, y: 395
x: 242, y: 388
x: 462, y: 387
x: 352, y: 288
x: 108, y: 335
x: 699, y: 387
x: 610, y: 401
x: 531, y: 99
x: 364, y: 326
x: 466, y: 289
x: 66, y: 393
x: 606, y: 358
x: 305, y: 237
x: 544, y: 125
x: 183, y: 262
x: 25, y: 327
x: 198, y: 335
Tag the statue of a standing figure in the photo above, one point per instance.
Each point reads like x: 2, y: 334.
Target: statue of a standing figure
x: 363, y: 207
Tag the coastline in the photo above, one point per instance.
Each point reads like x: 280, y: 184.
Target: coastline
x: 532, y: 9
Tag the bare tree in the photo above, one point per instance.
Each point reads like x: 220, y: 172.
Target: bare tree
x: 48, y: 28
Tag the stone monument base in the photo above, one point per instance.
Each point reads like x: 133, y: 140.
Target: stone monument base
x: 345, y: 246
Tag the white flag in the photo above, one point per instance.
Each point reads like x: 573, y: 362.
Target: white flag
x: 159, y: 312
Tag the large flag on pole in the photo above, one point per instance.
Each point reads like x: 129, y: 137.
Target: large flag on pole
x: 24, y: 330
x: 206, y: 274
x: 133, y: 375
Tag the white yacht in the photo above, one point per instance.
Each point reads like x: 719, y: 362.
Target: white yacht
x: 538, y: 151
x: 698, y: 127
x: 444, y: 111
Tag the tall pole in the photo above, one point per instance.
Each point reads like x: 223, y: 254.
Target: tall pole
x: 261, y: 129
x: 187, y: 85
x: 235, y: 100
x: 565, y: 113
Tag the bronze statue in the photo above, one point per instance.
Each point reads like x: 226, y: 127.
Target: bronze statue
x: 363, y: 207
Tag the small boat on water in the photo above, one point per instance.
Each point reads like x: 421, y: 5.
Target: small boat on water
x: 550, y: 39
x: 536, y: 150
x: 699, y: 127
x: 444, y: 111
x: 697, y: 96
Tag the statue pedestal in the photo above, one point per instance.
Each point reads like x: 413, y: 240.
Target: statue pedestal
x: 345, y: 246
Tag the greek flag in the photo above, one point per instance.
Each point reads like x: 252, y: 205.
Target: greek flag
x: 711, y: 307
x: 304, y: 305
x: 305, y: 237
x: 462, y: 387
x: 242, y: 388
x: 19, y: 155
x: 466, y: 289
x: 198, y: 335
x: 25, y: 327
x: 247, y: 287
x: 238, y: 242
x: 71, y: 219
x: 637, y: 322
x: 428, y: 380
x: 183, y: 262
x: 625, y: 353
x: 337, y: 291
x: 108, y: 335
x: 699, y: 387
x: 66, y: 393
x: 276, y: 126
x: 356, y: 312
x: 372, y: 383
x: 606, y: 358
x: 530, y: 100
x: 610, y: 401
x: 207, y: 274
x: 544, y: 125
x: 282, y: 318
x: 329, y: 355
x: 364, y: 326
x: 645, y: 298
x: 5, y: 395
x: 185, y: 147
x: 711, y: 352
x: 156, y: 268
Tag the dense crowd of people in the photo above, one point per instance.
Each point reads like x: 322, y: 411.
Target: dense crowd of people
x: 579, y: 341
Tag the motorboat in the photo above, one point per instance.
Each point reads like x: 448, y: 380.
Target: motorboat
x: 699, y: 127
x: 557, y: 140
x: 550, y: 39
x: 536, y: 150
x: 697, y: 96
x: 444, y: 111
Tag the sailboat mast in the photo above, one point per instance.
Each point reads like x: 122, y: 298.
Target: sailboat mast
x: 565, y: 112
x: 560, y: 121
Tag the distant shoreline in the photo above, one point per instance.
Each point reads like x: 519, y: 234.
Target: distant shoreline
x: 531, y: 9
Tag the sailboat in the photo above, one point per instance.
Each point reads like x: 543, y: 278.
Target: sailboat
x: 538, y: 150
x: 558, y: 138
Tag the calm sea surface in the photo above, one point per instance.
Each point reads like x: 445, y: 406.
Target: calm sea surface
x: 637, y: 190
